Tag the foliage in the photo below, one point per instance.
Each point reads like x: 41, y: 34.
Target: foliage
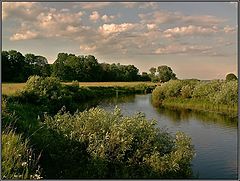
x: 205, y: 90
x: 166, y: 90
x: 18, y: 160
x: 17, y: 68
x: 230, y: 77
x: 165, y: 73
x: 207, y: 95
x: 121, y: 142
x: 69, y: 67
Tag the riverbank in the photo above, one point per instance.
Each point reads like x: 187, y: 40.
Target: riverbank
x: 99, y: 144
x: 200, y: 105
x: 214, y: 96
x: 13, y: 88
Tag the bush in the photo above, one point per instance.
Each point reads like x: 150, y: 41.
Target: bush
x: 230, y: 77
x: 18, y: 160
x: 228, y: 94
x: 168, y: 89
x: 44, y: 87
x: 206, y: 90
x: 123, y: 142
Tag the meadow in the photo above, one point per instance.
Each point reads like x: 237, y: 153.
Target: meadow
x: 12, y: 88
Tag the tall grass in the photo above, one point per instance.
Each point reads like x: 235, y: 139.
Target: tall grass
x: 218, y: 96
x: 18, y: 160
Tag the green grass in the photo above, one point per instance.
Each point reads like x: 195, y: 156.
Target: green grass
x: 200, y: 105
x: 18, y: 161
x: 12, y: 88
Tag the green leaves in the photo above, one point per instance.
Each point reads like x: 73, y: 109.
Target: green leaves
x: 131, y: 141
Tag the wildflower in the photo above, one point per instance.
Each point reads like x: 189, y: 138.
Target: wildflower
x: 24, y: 164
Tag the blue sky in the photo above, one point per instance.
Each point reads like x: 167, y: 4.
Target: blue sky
x: 198, y: 40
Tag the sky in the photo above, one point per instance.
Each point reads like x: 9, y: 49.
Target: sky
x: 196, y: 39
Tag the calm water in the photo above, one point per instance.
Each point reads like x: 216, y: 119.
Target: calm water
x: 214, y: 136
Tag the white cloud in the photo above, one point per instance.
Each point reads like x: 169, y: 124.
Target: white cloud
x: 151, y: 26
x: 107, y: 18
x: 182, y: 49
x: 189, y: 30
x: 107, y: 29
x: 229, y: 29
x: 88, y: 48
x: 160, y: 17
x: 94, y: 16
x: 19, y: 9
x: 24, y: 36
x: 91, y: 5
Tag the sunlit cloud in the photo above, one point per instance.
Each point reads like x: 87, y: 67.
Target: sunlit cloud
x: 24, y: 36
x: 107, y: 18
x: 229, y: 29
x: 107, y: 29
x: 182, y: 49
x: 94, y: 16
x: 189, y: 30
x: 121, y: 29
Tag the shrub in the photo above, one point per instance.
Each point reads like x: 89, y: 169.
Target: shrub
x: 205, y: 90
x: 230, y: 77
x: 18, y: 160
x: 228, y: 94
x: 43, y: 87
x: 124, y: 142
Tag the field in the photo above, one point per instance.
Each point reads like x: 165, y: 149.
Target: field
x: 12, y: 88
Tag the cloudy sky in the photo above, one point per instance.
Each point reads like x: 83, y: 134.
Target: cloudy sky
x: 198, y: 40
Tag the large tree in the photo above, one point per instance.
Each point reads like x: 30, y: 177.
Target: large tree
x: 165, y: 73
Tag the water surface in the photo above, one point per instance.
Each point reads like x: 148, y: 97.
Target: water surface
x: 214, y: 136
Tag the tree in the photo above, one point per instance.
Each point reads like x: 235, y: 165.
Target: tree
x: 230, y: 77
x: 165, y: 73
x: 153, y: 71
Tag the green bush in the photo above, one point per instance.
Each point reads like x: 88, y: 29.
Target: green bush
x: 205, y: 90
x: 203, y: 95
x: 168, y: 89
x: 18, y: 160
x: 228, y: 94
x: 230, y: 77
x: 124, y: 142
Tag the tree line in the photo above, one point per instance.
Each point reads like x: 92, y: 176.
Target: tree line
x: 68, y: 67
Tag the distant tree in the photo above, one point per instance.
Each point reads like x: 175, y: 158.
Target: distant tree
x: 36, y: 65
x: 145, y: 76
x: 13, y: 66
x: 153, y: 71
x: 231, y: 76
x: 165, y: 73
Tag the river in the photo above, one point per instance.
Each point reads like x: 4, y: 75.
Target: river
x: 214, y: 136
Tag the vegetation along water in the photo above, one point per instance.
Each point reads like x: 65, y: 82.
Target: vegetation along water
x: 57, y: 127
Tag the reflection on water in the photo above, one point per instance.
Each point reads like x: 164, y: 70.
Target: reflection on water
x: 177, y: 115
x: 214, y: 136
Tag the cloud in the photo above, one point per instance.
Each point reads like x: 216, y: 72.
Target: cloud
x: 229, y: 29
x: 107, y: 29
x: 182, y: 49
x: 107, y: 18
x: 151, y: 26
x: 94, y: 16
x: 92, y: 5
x: 167, y: 17
x: 23, y: 36
x: 88, y: 48
x: 25, y: 10
x: 189, y: 30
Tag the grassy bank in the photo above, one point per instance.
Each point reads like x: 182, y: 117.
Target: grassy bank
x: 216, y: 96
x: 99, y: 144
x: 12, y: 88
x: 199, y: 105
